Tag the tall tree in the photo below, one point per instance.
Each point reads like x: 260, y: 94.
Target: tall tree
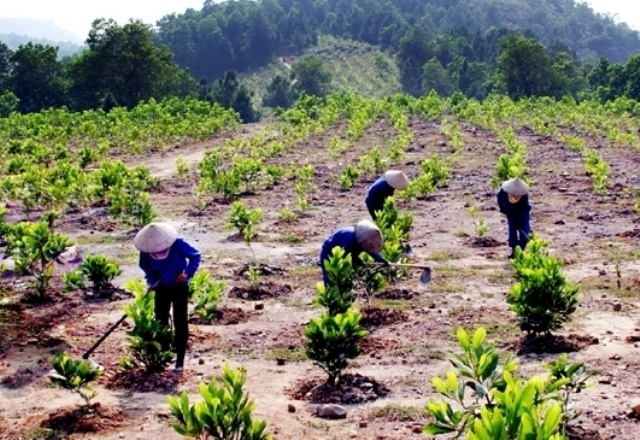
x: 280, y: 93
x: 37, y: 78
x: 413, y: 53
x: 526, y: 70
x: 230, y: 93
x: 311, y: 77
x: 123, y: 61
x: 435, y: 77
x: 5, y: 66
x: 632, y: 73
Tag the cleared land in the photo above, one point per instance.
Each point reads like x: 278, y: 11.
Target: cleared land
x: 411, y: 328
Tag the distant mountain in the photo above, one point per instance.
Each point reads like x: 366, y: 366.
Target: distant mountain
x: 245, y: 35
x: 65, y: 48
x: 37, y: 29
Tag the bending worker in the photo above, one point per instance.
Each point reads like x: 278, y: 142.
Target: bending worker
x: 383, y: 188
x: 513, y: 201
x: 171, y: 261
x: 365, y: 236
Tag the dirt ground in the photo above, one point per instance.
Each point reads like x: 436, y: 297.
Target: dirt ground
x: 411, y: 329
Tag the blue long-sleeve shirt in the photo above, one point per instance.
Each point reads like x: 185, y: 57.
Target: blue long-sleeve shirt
x: 519, y: 210
x: 182, y: 258
x: 346, y: 239
x: 378, y: 192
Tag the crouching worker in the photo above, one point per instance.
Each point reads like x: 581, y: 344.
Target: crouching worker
x: 513, y: 201
x: 384, y: 188
x: 171, y: 262
x: 365, y: 236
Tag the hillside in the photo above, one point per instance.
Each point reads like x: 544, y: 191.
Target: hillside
x: 36, y: 29
x: 244, y: 35
x: 354, y: 66
x: 65, y: 48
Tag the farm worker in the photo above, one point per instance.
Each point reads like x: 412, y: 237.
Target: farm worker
x: 365, y: 236
x: 166, y: 258
x: 513, y: 201
x: 383, y: 188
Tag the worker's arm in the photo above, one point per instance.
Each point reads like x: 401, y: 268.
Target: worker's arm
x: 149, y: 273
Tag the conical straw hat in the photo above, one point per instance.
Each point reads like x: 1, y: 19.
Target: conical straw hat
x: 369, y: 236
x: 516, y: 187
x: 397, y: 179
x: 155, y: 237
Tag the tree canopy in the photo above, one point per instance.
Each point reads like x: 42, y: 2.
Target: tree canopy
x: 243, y: 34
x: 124, y: 62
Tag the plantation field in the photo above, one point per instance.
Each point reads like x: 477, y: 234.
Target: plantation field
x: 583, y: 163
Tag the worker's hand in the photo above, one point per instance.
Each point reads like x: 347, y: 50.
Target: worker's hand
x: 181, y: 278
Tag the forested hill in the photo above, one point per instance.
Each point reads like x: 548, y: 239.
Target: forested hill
x: 245, y: 34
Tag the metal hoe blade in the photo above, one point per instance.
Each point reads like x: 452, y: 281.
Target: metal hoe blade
x: 425, y: 276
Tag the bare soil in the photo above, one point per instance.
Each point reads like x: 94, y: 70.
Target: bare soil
x: 411, y: 327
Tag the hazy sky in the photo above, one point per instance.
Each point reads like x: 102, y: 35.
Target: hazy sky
x: 76, y: 15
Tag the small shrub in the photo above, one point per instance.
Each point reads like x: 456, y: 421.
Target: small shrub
x: 574, y: 379
x: 481, y: 226
x: 223, y: 414
x: 507, y: 168
x: 490, y: 403
x: 338, y: 146
x: 389, y: 218
x: 249, y: 170
x: 254, y: 274
x: 437, y: 170
x: 273, y: 175
x: 373, y: 162
x: 541, y: 296
x: 99, y: 270
x: 149, y: 340
x: 131, y: 205
x: 182, y: 169
x: 421, y: 186
x: 287, y: 215
x: 4, y: 227
x: 371, y: 278
x: 243, y: 220
x: 598, y: 169
x: 34, y: 248
x: 228, y: 184
x: 304, y: 185
x: 339, y: 269
x: 348, y: 178
x: 333, y: 340
x: 75, y: 376
x: 206, y: 292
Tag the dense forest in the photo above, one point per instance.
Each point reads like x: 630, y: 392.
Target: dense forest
x: 243, y: 34
x: 520, y: 48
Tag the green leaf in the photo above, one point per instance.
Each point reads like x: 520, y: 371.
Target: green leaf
x: 552, y: 419
x: 439, y: 385
x: 478, y: 337
x: 437, y: 428
x: 463, y: 338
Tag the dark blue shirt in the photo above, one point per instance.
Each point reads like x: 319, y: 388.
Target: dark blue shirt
x: 182, y: 258
x: 378, y: 192
x: 346, y: 239
x: 519, y: 210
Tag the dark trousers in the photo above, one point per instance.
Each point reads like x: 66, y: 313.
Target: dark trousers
x: 373, y: 206
x: 519, y: 232
x: 178, y: 296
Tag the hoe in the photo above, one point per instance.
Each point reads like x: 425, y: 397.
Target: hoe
x: 108, y: 332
